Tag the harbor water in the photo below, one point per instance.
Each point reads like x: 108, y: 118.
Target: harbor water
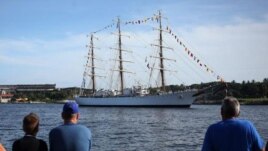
x: 117, y: 129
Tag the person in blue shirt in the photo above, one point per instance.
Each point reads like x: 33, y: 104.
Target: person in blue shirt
x: 70, y: 136
x: 232, y: 134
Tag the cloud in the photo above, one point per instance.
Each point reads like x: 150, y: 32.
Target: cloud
x: 17, y: 45
x: 43, y: 61
x: 13, y: 51
x: 236, y: 51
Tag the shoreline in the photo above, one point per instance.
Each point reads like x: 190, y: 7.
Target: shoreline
x: 38, y: 102
x: 242, y: 101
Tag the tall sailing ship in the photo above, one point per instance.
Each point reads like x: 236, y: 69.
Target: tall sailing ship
x: 136, y: 96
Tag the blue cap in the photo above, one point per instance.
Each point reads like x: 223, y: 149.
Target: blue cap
x: 70, y: 108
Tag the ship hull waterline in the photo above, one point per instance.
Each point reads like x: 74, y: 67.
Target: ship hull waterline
x: 179, y: 99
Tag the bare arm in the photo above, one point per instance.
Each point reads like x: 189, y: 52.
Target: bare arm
x: 2, y: 148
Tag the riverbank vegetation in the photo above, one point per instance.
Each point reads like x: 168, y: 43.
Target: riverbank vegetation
x: 247, y: 92
x: 46, y: 96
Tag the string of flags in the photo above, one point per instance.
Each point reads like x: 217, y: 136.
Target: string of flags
x: 191, y: 55
x: 104, y: 28
x: 153, y: 18
x: 187, y: 50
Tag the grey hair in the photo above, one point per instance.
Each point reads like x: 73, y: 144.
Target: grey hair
x: 230, y: 107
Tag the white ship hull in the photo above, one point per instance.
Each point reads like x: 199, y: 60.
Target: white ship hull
x: 178, y: 99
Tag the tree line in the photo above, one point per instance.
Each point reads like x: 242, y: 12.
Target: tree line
x: 47, y: 96
x: 245, y: 89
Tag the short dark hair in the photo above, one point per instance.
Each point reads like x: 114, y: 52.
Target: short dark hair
x: 67, y: 116
x: 31, y: 124
x: 230, y: 107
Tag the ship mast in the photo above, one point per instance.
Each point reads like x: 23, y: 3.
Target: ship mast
x: 92, y: 65
x: 120, y: 68
x: 121, y: 73
x: 161, y: 54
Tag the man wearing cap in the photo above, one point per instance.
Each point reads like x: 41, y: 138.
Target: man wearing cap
x: 70, y: 136
x: 232, y: 134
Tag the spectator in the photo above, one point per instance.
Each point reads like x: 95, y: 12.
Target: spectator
x: 70, y: 136
x: 232, y: 134
x: 29, y: 142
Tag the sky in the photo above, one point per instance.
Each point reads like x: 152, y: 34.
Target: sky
x: 43, y: 42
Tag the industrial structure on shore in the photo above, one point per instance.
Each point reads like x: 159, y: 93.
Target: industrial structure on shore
x: 7, y: 91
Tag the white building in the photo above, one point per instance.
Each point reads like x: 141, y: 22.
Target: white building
x: 5, y: 97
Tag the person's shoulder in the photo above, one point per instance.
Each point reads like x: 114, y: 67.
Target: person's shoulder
x: 244, y: 122
x: 17, y: 141
x: 58, y: 128
x: 82, y: 126
x: 42, y: 141
x: 55, y: 130
x: 215, y: 125
x: 43, y: 145
x: 16, y: 144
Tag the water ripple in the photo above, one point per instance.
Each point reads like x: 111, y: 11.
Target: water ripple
x: 130, y: 129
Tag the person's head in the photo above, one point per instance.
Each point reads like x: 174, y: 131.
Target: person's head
x: 230, y: 108
x: 70, y: 112
x: 31, y: 124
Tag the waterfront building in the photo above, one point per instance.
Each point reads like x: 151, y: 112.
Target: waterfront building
x: 7, y: 91
x: 29, y: 87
